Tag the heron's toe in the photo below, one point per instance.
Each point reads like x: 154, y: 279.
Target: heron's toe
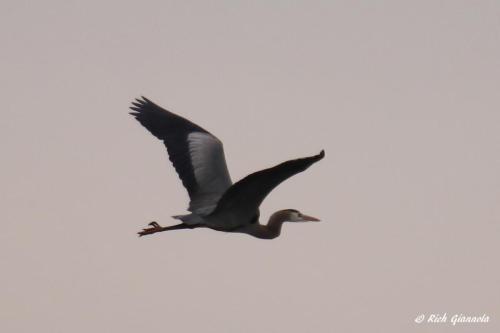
x: 154, y: 224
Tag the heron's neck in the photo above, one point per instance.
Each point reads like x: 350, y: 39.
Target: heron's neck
x: 272, y: 229
x: 276, y: 222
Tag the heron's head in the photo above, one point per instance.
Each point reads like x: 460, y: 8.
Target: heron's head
x: 294, y: 215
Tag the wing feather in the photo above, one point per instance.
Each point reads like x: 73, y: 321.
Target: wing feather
x: 197, y: 155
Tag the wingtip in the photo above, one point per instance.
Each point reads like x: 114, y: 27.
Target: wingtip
x: 322, y: 153
x: 138, y: 105
x: 141, y: 100
x: 145, y: 99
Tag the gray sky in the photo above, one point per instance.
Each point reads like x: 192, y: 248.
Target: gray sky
x: 402, y: 95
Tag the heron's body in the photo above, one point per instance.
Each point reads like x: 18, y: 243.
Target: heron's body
x: 215, y: 202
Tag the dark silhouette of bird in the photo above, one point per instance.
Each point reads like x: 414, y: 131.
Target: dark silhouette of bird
x: 215, y: 202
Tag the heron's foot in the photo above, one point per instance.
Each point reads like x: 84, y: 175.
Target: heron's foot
x: 155, y: 227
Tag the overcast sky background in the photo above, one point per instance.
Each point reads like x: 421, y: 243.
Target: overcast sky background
x: 402, y: 95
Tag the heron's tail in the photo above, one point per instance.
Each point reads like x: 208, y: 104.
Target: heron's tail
x: 190, y: 219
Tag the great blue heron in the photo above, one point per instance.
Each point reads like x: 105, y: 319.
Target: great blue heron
x: 217, y: 203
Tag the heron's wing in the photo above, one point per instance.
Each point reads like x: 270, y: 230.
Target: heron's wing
x: 245, y: 196
x: 197, y: 155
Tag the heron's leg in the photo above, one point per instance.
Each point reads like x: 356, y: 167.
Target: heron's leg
x: 155, y: 227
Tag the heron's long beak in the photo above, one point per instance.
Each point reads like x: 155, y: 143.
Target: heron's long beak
x: 309, y: 218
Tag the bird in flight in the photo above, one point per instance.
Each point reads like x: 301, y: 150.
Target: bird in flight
x: 215, y: 202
